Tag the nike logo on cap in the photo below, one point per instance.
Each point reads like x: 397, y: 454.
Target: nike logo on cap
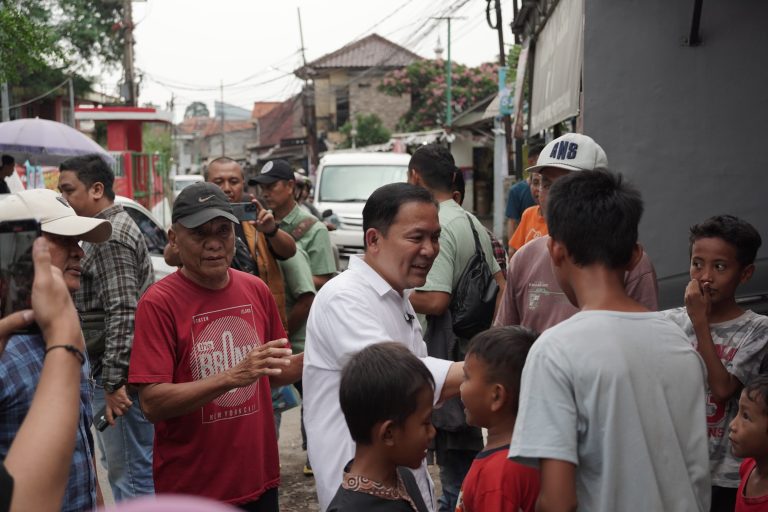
x: 204, y: 199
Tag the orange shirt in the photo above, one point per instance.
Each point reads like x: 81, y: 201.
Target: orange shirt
x: 532, y: 225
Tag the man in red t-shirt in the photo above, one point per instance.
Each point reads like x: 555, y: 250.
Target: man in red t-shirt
x: 204, y: 367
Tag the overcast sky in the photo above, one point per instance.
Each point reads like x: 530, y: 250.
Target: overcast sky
x: 187, y: 47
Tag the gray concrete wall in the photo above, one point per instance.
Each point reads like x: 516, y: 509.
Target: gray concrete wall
x: 687, y: 125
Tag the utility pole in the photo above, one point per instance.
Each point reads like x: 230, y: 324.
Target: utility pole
x: 309, y: 115
x: 448, y: 73
x: 223, y: 152
x: 130, y: 79
x: 503, y: 62
x: 71, y: 102
x: 4, y: 101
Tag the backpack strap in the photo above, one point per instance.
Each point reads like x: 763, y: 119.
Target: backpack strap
x: 412, y: 487
x: 300, y: 230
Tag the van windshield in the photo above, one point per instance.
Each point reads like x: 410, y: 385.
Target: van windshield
x: 354, y: 183
x: 179, y: 185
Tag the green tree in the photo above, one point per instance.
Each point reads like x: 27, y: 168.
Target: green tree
x: 45, y: 41
x: 196, y: 109
x: 370, y: 130
x: 25, y: 44
x: 425, y: 82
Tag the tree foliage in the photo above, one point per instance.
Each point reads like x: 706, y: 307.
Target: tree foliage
x: 370, y: 130
x: 425, y: 81
x: 45, y: 41
x: 196, y: 109
x: 25, y: 44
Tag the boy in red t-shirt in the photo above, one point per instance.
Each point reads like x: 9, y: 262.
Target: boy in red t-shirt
x: 749, y: 439
x: 490, y: 392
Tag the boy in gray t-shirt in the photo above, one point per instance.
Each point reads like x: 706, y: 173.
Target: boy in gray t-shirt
x: 612, y: 399
x: 732, y: 342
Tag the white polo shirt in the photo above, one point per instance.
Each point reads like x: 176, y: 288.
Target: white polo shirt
x: 353, y: 310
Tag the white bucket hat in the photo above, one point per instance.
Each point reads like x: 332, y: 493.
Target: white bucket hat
x: 55, y: 215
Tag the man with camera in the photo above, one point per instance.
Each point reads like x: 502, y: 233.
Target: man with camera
x: 277, y: 182
x: 114, y: 275
x: 27, y: 357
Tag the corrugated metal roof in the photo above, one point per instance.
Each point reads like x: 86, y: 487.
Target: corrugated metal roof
x: 371, y: 51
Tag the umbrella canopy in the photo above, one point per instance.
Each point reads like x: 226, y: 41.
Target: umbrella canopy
x: 45, y: 142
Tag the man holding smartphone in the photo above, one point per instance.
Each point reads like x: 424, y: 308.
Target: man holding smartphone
x: 114, y: 275
x: 22, y: 362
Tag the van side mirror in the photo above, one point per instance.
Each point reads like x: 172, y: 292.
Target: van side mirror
x: 327, y: 213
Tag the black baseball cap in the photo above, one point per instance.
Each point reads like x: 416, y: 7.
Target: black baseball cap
x: 199, y: 203
x: 273, y: 171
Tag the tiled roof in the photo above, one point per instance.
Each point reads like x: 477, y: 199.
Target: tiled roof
x: 371, y: 51
x: 206, y: 126
x: 260, y: 108
x: 277, y: 124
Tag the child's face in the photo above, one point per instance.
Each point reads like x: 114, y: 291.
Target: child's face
x: 476, y: 392
x: 714, y: 265
x: 749, y: 429
x: 412, y: 438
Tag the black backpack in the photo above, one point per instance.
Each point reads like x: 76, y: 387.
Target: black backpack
x: 473, y: 299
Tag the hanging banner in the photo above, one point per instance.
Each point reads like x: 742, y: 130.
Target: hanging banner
x: 557, y: 66
x: 522, y: 66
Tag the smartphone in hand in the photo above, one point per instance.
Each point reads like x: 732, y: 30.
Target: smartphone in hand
x: 17, y: 270
x: 245, y: 211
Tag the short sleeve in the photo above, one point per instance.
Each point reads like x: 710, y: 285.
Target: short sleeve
x: 547, y: 420
x: 745, y: 365
x: 640, y: 284
x: 508, y: 313
x: 297, y: 274
x: 440, y: 277
x: 154, y: 347
x: 518, y: 237
x: 319, y: 250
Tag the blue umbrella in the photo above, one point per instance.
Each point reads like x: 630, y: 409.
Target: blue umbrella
x: 45, y: 142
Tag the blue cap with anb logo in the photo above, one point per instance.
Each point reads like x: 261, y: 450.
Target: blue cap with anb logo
x: 572, y: 152
x: 199, y: 203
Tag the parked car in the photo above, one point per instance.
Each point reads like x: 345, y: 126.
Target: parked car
x: 344, y: 182
x: 180, y: 181
x: 154, y: 234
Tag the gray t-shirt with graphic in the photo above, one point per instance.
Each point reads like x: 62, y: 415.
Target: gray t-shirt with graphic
x: 741, y: 345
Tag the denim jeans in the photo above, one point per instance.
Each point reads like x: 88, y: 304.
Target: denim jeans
x: 453, y: 469
x: 126, y: 449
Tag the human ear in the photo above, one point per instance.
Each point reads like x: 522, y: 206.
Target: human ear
x: 372, y: 237
x: 637, y: 255
x: 498, y: 397
x: 746, y: 273
x: 557, y: 251
x: 384, y: 433
x: 97, y: 190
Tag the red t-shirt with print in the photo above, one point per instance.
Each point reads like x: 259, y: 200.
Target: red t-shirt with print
x: 227, y: 449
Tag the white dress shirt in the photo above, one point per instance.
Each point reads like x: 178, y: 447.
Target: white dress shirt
x: 353, y: 310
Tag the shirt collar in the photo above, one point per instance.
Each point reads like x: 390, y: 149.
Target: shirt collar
x: 358, y: 483
x: 109, y: 211
x: 373, y: 278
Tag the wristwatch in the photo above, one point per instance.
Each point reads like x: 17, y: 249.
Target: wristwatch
x: 274, y: 231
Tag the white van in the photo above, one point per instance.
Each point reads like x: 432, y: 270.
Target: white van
x: 344, y: 182
x: 183, y: 180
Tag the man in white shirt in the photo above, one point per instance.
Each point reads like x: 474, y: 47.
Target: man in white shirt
x: 367, y: 304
